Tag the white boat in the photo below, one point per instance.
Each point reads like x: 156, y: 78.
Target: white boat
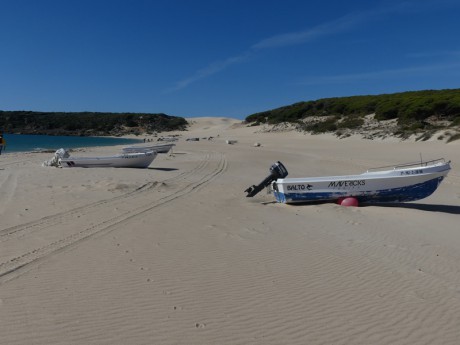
x: 125, y: 160
x: 401, y: 183
x: 159, y: 148
x: 168, y: 139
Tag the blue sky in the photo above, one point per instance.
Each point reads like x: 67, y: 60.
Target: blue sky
x: 227, y: 58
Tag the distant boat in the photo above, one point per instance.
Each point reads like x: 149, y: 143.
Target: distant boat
x: 167, y: 139
x: 159, y: 148
x: 401, y: 183
x: 125, y: 160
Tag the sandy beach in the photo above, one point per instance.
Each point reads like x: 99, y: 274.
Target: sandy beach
x: 176, y: 254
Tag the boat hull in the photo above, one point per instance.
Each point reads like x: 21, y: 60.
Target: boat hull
x: 159, y: 148
x: 128, y: 160
x: 396, y: 185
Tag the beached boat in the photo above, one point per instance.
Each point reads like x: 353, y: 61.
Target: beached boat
x: 125, y: 160
x: 401, y: 183
x: 159, y: 148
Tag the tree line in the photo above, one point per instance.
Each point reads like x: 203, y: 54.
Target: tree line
x: 87, y: 123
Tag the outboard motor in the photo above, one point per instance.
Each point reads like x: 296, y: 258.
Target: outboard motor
x: 277, y: 171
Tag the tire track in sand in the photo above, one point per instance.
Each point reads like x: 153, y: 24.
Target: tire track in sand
x: 23, y: 229
x: 7, y: 188
x: 45, y: 237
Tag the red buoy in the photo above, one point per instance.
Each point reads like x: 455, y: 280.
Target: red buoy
x: 350, y: 201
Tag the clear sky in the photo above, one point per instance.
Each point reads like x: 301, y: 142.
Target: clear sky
x: 226, y: 58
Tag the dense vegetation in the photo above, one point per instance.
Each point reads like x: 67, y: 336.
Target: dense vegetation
x: 414, y: 111
x: 87, y: 123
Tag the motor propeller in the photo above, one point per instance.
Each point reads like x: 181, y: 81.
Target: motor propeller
x: 277, y: 170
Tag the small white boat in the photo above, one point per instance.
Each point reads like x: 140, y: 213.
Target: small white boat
x: 159, y: 148
x: 125, y: 160
x: 168, y: 139
x: 401, y: 183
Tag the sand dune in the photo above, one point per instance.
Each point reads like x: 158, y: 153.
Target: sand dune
x: 175, y: 254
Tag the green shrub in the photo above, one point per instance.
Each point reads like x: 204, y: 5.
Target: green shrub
x: 351, y: 122
x: 322, y: 127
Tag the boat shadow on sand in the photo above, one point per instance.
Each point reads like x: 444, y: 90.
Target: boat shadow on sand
x: 163, y: 169
x: 451, y: 209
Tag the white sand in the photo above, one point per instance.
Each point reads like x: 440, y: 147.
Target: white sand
x: 176, y: 254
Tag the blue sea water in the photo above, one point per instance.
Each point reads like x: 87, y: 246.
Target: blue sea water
x: 28, y: 143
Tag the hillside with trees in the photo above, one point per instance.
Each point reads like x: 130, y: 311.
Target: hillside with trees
x: 419, y: 113
x: 87, y: 123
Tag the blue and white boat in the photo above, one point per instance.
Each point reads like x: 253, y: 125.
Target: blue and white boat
x: 401, y: 183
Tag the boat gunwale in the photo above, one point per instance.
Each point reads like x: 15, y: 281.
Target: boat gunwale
x: 374, y: 174
x: 149, y: 146
x: 433, y: 162
x: 127, y: 155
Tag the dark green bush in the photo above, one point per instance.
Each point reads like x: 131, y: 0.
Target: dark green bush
x: 322, y: 127
x: 351, y: 122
